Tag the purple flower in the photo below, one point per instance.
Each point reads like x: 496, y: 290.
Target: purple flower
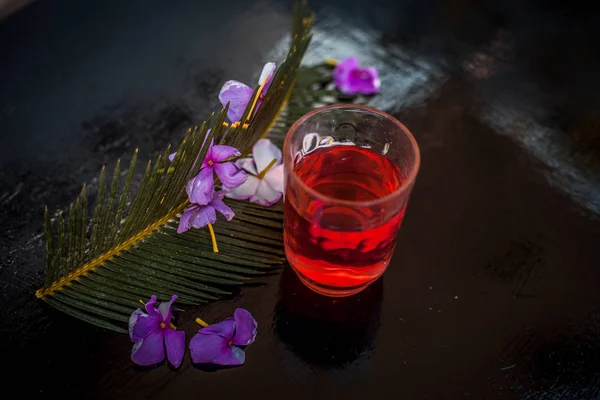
x: 238, y: 94
x: 198, y: 216
x: 151, y: 333
x: 219, y: 343
x: 200, y: 188
x: 351, y: 79
x: 265, y: 184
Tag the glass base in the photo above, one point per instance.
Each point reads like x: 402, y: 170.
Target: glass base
x: 331, y: 291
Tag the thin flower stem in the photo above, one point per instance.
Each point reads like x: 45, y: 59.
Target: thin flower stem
x: 267, y: 168
x: 201, y: 323
x: 213, y: 238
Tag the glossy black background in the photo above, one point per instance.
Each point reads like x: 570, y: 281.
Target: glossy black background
x: 494, y: 288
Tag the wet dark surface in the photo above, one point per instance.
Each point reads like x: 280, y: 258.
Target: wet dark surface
x: 494, y: 291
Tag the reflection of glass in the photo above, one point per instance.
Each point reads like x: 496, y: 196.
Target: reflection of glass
x: 349, y: 173
x: 325, y: 331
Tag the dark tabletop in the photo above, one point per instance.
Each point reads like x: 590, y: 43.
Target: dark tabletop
x: 494, y: 289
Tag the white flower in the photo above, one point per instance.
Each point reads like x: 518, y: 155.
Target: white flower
x: 264, y: 185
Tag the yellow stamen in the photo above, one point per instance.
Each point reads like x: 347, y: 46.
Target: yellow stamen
x: 142, y: 303
x: 213, y: 238
x: 201, y: 323
x: 268, y: 167
x: 235, y: 125
x: 172, y: 326
x: 331, y: 61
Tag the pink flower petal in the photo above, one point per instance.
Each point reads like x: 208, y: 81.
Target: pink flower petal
x: 151, y: 308
x: 265, y: 195
x: 141, y: 325
x: 150, y: 350
x: 351, y: 79
x: 200, y: 188
x: 238, y: 96
x: 275, y: 178
x: 184, y: 221
x: 215, y: 349
x: 175, y: 344
x: 221, y: 152
x: 203, y: 216
x: 245, y: 190
x: 247, y: 164
x: 263, y: 152
x: 221, y: 207
x: 230, y: 175
x: 245, y: 327
x: 267, y: 74
x: 165, y: 309
x: 225, y: 329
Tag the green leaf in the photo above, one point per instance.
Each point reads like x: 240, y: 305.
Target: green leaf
x: 99, y: 270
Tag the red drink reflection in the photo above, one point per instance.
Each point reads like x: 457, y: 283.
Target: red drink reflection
x: 336, y: 249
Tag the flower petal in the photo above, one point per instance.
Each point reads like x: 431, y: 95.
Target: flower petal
x: 225, y: 329
x: 200, y: 188
x: 172, y: 156
x: 265, y: 195
x: 141, y: 325
x: 247, y: 164
x: 151, y: 308
x: 238, y: 96
x: 351, y: 79
x: 221, y: 207
x: 230, y: 175
x: 184, y: 221
x: 263, y: 152
x: 245, y: 190
x: 150, y: 350
x: 245, y: 327
x: 203, y: 216
x: 175, y: 344
x: 363, y: 80
x: 341, y: 74
x: 165, y: 309
x: 221, y: 152
x: 267, y: 75
x: 275, y: 178
x: 214, y: 349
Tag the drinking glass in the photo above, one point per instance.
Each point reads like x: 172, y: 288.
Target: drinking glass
x: 349, y: 171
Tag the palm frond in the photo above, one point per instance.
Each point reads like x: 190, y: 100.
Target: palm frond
x: 97, y: 271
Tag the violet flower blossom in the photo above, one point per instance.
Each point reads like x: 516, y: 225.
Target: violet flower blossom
x: 200, y: 188
x: 238, y: 94
x: 264, y: 185
x: 220, y: 343
x: 351, y: 79
x: 198, y: 216
x: 151, y: 333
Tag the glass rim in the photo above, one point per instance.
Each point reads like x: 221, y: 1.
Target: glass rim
x: 287, y: 158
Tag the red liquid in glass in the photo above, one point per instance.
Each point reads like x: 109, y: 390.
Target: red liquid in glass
x: 339, y: 250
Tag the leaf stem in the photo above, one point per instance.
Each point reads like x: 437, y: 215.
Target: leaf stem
x: 201, y: 323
